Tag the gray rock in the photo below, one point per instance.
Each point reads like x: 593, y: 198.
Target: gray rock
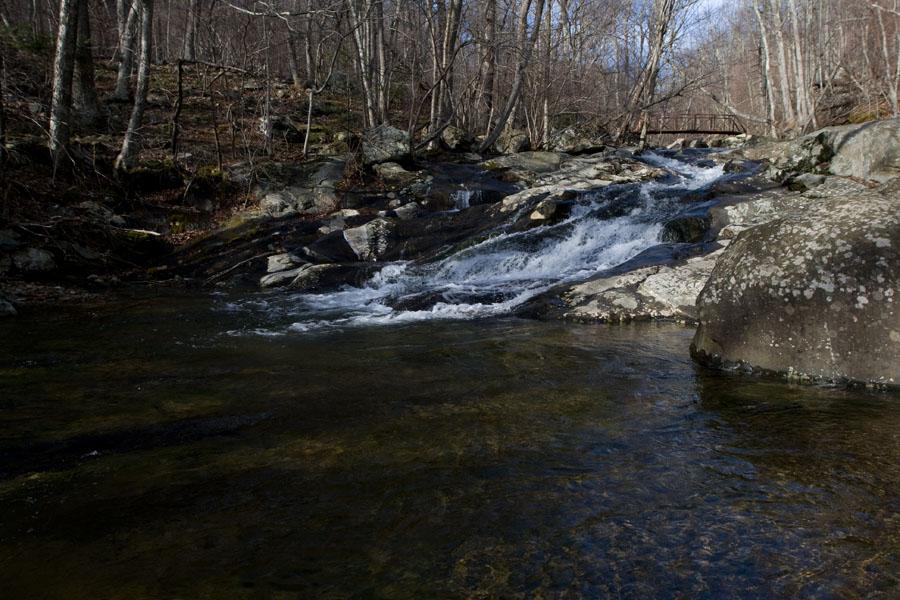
x: 577, y: 173
x: 317, y: 278
x: 384, y: 144
x: 391, y: 171
x: 34, y: 260
x: 370, y: 241
x: 806, y: 181
x: 280, y: 127
x: 678, y: 144
x: 512, y: 141
x: 303, y: 190
x: 573, y: 140
x: 282, y: 262
x: 101, y: 213
x: 337, y: 221
x: 866, y: 151
x: 408, y: 211
x: 657, y: 292
x: 528, y: 163
x: 551, y: 210
x: 811, y: 295
x: 686, y: 230
x: 9, y: 239
x: 277, y: 204
x: 455, y: 138
x: 6, y: 308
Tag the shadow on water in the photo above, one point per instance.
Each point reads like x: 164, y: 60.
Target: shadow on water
x: 151, y: 455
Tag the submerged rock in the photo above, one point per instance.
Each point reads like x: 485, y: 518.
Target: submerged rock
x: 812, y: 295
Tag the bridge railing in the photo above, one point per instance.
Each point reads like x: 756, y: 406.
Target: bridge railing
x: 705, y: 123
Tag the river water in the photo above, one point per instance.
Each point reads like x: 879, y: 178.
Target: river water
x: 501, y: 272
x: 160, y: 447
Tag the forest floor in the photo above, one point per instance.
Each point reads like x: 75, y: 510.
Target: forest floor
x: 74, y: 233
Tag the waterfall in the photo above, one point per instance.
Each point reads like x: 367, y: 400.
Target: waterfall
x: 498, y: 274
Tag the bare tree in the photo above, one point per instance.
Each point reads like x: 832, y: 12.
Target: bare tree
x: 85, y: 94
x: 131, y: 143
x: 525, y: 44
x: 63, y: 70
x: 127, y: 40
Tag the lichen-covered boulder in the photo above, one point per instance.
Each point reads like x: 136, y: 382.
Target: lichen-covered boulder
x: 865, y: 151
x: 372, y: 240
x: 384, y: 144
x: 455, y: 138
x: 573, y: 140
x: 813, y: 295
x: 512, y: 141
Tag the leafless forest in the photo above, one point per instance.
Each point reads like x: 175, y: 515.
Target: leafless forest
x: 481, y: 66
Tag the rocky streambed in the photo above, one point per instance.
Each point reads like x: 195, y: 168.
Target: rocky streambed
x: 785, y: 254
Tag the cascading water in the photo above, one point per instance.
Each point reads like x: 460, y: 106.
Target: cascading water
x: 605, y: 229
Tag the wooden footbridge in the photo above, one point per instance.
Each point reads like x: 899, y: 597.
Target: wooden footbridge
x: 693, y: 123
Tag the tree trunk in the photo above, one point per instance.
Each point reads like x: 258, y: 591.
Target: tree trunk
x: 526, y: 46
x: 2, y: 114
x: 126, y: 53
x: 545, y: 108
x: 488, y: 60
x: 644, y: 90
x: 292, y: 61
x: 86, y: 102
x: 63, y: 70
x: 361, y: 33
x: 766, y: 59
x: 131, y: 144
x: 190, y: 34
x: 787, y: 106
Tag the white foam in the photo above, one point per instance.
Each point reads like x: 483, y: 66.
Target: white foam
x: 500, y: 273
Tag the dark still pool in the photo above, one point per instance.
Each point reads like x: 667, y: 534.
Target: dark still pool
x: 146, y: 452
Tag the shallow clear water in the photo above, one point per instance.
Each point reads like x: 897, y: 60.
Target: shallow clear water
x: 144, y: 453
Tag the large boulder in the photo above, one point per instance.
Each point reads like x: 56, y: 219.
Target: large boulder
x: 512, y: 141
x: 33, y: 260
x: 866, y: 151
x: 384, y: 144
x: 812, y: 295
x: 456, y: 139
x: 280, y: 127
x: 301, y: 189
x: 573, y: 140
x: 372, y: 240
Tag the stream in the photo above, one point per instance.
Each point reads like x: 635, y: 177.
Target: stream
x: 495, y: 275
x: 389, y: 441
